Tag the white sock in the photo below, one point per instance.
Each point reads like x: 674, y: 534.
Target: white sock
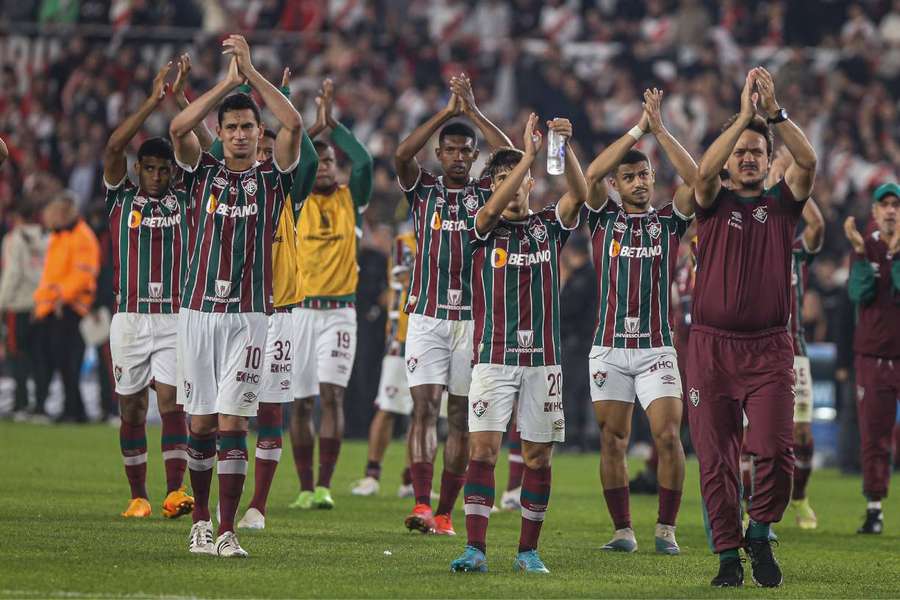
x: 874, y: 505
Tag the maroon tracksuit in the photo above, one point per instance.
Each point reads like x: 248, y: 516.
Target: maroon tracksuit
x: 741, y: 356
x: 875, y: 288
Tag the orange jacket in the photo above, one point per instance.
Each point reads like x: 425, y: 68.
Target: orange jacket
x: 70, y: 271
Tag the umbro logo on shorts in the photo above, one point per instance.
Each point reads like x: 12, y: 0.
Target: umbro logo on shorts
x: 412, y: 363
x: 694, y: 395
x: 669, y: 379
x: 248, y: 398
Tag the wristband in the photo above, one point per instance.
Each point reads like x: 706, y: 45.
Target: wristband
x: 636, y: 132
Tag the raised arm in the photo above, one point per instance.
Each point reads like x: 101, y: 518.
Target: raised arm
x: 184, y: 140
x: 287, y: 142
x: 608, y: 160
x: 570, y: 204
x: 115, y: 164
x: 814, y: 232
x: 405, y: 156
x: 462, y: 87
x: 675, y: 152
x: 201, y: 130
x: 489, y: 214
x: 708, y: 183
x: 802, y: 171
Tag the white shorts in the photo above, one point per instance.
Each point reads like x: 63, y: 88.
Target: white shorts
x: 278, y: 363
x: 393, y: 389
x: 623, y: 373
x: 534, y: 392
x: 220, y: 361
x: 143, y: 349
x: 803, y: 393
x: 325, y: 347
x: 439, y: 352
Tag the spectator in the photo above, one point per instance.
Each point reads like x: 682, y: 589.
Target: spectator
x: 23, y: 260
x: 64, y: 295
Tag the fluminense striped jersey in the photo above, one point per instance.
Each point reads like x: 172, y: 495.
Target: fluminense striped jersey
x: 402, y: 259
x: 150, y: 258
x: 635, y: 257
x: 440, y: 285
x: 516, y: 291
x: 800, y: 261
x: 235, y: 216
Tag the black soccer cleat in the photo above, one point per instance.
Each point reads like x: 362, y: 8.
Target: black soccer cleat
x: 643, y: 483
x: 731, y: 574
x: 765, y: 569
x: 874, y: 522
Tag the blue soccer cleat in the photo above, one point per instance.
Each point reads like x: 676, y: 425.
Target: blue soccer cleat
x: 530, y: 562
x: 472, y: 560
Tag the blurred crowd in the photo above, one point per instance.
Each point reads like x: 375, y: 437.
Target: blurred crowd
x: 77, y: 67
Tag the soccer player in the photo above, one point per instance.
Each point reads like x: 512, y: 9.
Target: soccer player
x: 149, y: 223
x: 741, y: 355
x: 393, y: 389
x: 439, y: 339
x: 874, y: 287
x: 325, y: 320
x: 278, y: 362
x: 228, y: 285
x: 517, y: 340
x: 635, y: 256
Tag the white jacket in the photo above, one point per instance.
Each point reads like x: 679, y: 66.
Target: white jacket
x: 23, y: 262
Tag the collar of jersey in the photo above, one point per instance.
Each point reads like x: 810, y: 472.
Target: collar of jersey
x: 227, y: 170
x: 441, y: 181
x: 521, y: 222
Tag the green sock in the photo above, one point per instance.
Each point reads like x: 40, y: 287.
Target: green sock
x: 728, y: 554
x: 758, y: 531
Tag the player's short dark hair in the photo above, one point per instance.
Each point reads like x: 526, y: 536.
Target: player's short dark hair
x: 156, y: 147
x: 633, y: 156
x: 239, y: 101
x: 759, y: 125
x: 502, y: 159
x: 269, y: 134
x: 24, y: 210
x: 321, y: 146
x: 459, y: 129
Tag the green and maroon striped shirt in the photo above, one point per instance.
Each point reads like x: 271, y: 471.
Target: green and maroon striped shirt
x: 516, y: 290
x: 150, y: 255
x: 440, y: 284
x: 235, y: 218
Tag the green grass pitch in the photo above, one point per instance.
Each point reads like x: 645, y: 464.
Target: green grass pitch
x: 62, y: 489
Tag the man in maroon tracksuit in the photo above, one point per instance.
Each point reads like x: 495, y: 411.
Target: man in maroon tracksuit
x: 741, y: 354
x: 875, y: 289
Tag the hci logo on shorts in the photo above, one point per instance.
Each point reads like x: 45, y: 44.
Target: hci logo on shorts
x: 412, y: 363
x: 695, y: 396
x: 479, y: 407
x: 525, y: 338
x: 599, y: 378
x: 223, y: 287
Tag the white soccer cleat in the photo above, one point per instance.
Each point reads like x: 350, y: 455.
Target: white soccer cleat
x: 405, y: 491
x: 623, y: 541
x: 227, y: 546
x: 511, y: 499
x: 201, y: 538
x: 252, y: 519
x: 665, y: 540
x: 368, y: 486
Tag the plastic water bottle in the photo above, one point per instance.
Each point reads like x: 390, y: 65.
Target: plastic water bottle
x: 556, y: 153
